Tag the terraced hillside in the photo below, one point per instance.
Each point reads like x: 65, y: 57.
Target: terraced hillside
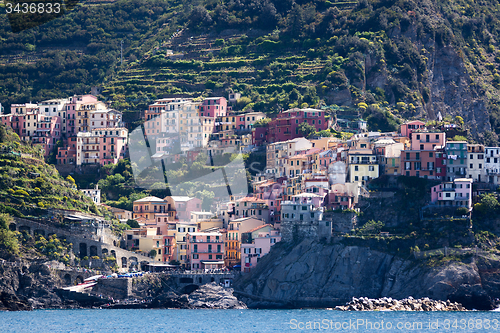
x: 388, y: 59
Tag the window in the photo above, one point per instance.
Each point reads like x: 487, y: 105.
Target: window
x: 356, y: 168
x: 371, y: 168
x: 430, y: 154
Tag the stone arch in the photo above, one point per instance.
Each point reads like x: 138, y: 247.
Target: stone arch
x: 189, y: 288
x: 144, y: 265
x: 186, y: 280
x: 113, y: 253
x: 124, y: 262
x: 67, y: 279
x: 25, y: 229
x: 212, y: 279
x: 13, y: 227
x: 133, y: 262
x: 39, y: 232
x: 93, y: 251
x: 83, y: 250
x: 104, y: 252
x: 79, y: 279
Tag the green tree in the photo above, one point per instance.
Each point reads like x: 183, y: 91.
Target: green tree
x: 459, y: 121
x: 133, y: 224
x: 306, y: 129
x: 70, y: 179
x: 153, y: 253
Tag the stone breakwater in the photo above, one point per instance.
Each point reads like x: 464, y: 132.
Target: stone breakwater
x: 407, y: 304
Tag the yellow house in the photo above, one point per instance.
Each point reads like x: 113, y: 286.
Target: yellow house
x: 363, y: 165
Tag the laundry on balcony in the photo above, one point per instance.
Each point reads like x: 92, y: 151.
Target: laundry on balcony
x: 452, y: 157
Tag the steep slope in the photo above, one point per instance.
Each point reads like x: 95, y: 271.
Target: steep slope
x: 29, y: 186
x: 404, y: 59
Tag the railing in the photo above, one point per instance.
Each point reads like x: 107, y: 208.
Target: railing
x: 206, y: 251
x: 206, y: 241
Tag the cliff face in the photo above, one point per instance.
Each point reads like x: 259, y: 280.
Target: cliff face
x: 319, y: 275
x: 25, y: 286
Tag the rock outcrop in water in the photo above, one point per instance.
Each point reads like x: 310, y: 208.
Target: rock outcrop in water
x: 208, y: 296
x: 407, y: 304
x: 26, y: 286
x: 312, y: 274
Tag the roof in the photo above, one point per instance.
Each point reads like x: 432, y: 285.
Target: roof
x: 149, y: 199
x: 251, y: 199
x: 213, y: 262
x: 385, y: 141
x: 259, y: 227
x: 463, y: 180
x: 180, y: 198
x: 307, y: 195
x: 205, y: 233
x: 241, y: 219
x: 361, y: 151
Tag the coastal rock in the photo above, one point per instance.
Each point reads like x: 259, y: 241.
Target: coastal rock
x: 11, y: 302
x: 214, y: 296
x: 313, y: 274
x: 208, y: 296
x: 407, y: 304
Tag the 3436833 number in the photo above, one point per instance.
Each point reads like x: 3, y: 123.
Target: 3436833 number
x: 33, y: 8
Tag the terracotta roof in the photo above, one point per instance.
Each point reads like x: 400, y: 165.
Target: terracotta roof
x: 259, y: 227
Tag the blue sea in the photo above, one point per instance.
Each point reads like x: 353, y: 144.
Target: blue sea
x: 243, y: 321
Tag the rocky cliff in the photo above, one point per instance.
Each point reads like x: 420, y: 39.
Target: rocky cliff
x: 26, y: 286
x: 310, y: 274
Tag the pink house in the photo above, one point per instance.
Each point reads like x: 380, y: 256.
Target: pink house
x: 427, y: 140
x: 255, y: 244
x: 184, y: 206
x: 453, y: 194
x: 410, y: 126
x: 213, y: 107
x: 286, y: 125
x: 205, y: 250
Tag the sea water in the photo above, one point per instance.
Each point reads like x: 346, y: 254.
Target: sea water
x: 242, y: 321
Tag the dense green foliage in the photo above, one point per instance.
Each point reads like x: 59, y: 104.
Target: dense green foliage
x: 28, y: 185
x: 279, y: 54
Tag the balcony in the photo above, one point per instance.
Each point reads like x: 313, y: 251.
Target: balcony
x: 362, y: 162
x: 206, y: 241
x: 461, y: 198
x: 206, y: 251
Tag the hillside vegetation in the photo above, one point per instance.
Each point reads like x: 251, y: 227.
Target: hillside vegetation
x: 386, y: 59
x: 28, y: 186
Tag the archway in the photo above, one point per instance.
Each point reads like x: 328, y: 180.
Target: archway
x: 133, y: 262
x: 200, y: 280
x: 25, y: 229
x: 67, y: 279
x: 79, y: 279
x: 12, y: 227
x: 93, y: 251
x: 104, y: 252
x: 144, y: 265
x: 83, y: 250
x: 39, y: 232
x: 113, y: 253
x: 185, y: 280
x: 124, y: 262
x: 189, y: 288
x: 212, y: 279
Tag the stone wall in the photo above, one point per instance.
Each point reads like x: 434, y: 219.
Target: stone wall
x: 118, y: 288
x: 342, y: 222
